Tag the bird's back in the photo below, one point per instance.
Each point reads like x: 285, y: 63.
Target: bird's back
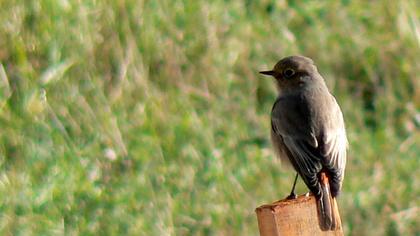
x: 310, y: 134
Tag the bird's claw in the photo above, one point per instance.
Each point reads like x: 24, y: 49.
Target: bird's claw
x: 291, y: 196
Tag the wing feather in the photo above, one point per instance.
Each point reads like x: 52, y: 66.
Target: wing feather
x: 308, y: 149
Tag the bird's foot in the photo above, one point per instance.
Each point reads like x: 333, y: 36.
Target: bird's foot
x: 307, y: 194
x: 291, y: 196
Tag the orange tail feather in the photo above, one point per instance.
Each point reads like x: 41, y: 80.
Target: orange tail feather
x: 328, y: 216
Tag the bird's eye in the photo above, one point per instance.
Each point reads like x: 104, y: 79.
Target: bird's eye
x: 288, y: 72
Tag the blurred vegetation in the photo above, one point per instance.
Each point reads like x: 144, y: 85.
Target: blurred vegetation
x: 149, y: 117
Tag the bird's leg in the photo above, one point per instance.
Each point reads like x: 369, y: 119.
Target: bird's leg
x: 292, y: 193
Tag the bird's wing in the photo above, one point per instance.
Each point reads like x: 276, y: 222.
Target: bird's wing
x: 290, y: 120
x: 333, y: 146
x: 291, y: 117
x: 293, y: 120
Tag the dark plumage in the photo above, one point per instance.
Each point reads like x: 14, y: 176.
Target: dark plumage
x: 308, y: 130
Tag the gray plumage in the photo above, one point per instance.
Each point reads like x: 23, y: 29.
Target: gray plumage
x: 307, y: 124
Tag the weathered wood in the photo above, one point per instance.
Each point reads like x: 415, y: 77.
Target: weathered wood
x: 293, y: 217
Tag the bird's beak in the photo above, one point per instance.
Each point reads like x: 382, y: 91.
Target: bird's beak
x: 267, y: 72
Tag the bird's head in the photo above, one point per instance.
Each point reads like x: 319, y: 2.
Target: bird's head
x: 294, y: 72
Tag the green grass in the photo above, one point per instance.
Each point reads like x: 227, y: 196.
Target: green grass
x: 149, y: 117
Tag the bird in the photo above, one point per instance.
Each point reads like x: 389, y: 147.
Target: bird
x: 308, y: 132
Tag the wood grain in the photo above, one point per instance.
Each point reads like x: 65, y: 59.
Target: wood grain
x: 293, y: 217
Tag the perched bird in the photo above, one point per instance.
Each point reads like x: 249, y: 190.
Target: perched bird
x: 307, y: 130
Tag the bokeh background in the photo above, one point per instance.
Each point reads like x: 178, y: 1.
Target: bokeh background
x: 150, y: 118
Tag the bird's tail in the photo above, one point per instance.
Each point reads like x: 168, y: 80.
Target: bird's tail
x: 328, y: 216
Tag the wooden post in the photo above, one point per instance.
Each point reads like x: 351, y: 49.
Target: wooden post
x: 292, y: 217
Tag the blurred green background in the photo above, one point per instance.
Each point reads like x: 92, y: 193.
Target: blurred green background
x: 150, y: 118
